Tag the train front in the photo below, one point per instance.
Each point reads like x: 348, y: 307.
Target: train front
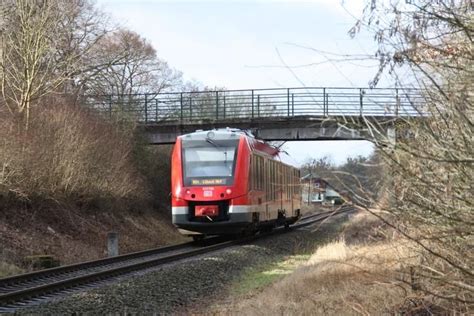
x: 209, y: 182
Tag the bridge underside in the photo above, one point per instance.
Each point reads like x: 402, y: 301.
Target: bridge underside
x: 287, y: 129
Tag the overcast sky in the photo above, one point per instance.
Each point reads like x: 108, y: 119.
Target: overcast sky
x: 258, y: 44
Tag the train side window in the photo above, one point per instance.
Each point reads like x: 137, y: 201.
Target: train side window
x: 292, y: 187
x: 295, y: 181
x: 288, y: 179
x: 260, y: 175
x: 292, y: 180
x: 275, y: 177
x: 268, y: 178
x: 272, y: 180
x: 255, y: 172
x: 291, y: 183
x: 265, y: 184
x: 280, y: 180
x: 288, y: 174
x: 288, y: 183
x: 252, y: 172
x: 275, y: 181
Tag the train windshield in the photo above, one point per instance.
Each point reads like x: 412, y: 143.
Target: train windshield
x: 209, y: 161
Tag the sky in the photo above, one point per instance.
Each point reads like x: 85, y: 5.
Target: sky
x: 259, y: 44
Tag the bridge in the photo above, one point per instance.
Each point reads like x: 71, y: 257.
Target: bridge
x: 309, y: 113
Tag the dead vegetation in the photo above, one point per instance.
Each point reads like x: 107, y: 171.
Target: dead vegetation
x: 426, y: 184
x: 75, y: 178
x: 70, y: 153
x: 429, y: 169
x: 67, y: 175
x: 366, y: 271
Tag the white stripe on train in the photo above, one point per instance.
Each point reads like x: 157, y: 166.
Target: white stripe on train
x: 233, y: 209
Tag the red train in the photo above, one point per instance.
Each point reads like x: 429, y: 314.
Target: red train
x: 227, y: 182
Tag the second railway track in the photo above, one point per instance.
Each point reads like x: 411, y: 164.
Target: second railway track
x: 26, y: 289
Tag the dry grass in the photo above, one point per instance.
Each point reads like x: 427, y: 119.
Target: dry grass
x: 314, y: 208
x: 344, y: 277
x: 7, y: 269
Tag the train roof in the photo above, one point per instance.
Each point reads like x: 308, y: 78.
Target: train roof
x: 221, y: 133
x: 255, y: 143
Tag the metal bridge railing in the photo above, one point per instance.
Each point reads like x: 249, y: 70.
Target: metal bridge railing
x: 195, y: 107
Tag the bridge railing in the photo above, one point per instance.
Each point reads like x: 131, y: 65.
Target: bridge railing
x: 194, y: 107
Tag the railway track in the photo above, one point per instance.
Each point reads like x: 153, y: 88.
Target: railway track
x: 31, y: 288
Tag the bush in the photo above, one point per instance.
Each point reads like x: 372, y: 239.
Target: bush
x: 68, y: 153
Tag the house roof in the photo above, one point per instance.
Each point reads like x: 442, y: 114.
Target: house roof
x: 311, y: 176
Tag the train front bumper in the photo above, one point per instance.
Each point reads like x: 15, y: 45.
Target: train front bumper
x: 235, y: 224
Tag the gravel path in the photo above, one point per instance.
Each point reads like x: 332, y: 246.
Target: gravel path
x: 191, y: 284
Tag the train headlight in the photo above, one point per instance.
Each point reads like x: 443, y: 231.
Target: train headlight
x: 211, y: 135
x: 228, y: 191
x: 188, y: 192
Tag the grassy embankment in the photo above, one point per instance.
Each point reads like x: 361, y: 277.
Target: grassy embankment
x: 363, y: 272
x: 72, y: 178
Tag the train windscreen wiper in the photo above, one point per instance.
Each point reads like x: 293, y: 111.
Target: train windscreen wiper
x: 213, y: 143
x: 210, y: 141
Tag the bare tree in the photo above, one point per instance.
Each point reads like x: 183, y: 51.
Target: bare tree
x: 430, y: 167
x: 139, y: 70
x: 44, y: 45
x: 129, y: 86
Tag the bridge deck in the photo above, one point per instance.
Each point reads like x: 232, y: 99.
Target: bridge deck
x: 171, y: 114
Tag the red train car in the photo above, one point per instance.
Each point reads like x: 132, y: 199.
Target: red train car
x: 228, y: 182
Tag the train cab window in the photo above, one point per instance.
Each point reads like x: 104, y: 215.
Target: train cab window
x: 209, y: 162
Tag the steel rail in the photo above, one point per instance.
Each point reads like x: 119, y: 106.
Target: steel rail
x: 10, y: 300
x: 30, y: 276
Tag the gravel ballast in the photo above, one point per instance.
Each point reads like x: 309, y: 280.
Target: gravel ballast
x: 189, y: 284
